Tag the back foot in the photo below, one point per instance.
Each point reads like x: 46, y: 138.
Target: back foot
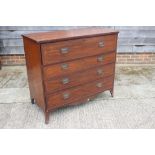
x: 32, y: 101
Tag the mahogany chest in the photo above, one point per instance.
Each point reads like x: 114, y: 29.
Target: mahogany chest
x: 70, y: 66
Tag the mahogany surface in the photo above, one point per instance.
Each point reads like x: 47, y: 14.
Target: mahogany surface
x: 70, y: 66
x: 78, y: 48
x: 80, y: 92
x: 77, y: 65
x: 34, y: 71
x: 62, y: 35
x: 79, y: 78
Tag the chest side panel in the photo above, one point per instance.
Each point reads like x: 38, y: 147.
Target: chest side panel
x: 34, y: 71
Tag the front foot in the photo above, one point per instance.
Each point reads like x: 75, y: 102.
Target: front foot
x: 112, y: 93
x: 46, y: 117
x: 32, y: 101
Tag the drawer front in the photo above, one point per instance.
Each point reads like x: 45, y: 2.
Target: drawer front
x: 73, y: 49
x: 79, y: 93
x: 76, y: 79
x: 70, y: 67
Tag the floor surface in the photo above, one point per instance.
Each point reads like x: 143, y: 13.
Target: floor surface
x: 133, y: 105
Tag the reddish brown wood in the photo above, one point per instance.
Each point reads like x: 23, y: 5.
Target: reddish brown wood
x: 78, y: 93
x: 47, y: 67
x: 62, y: 35
x: 77, y: 48
x: 34, y: 71
x: 79, y: 78
x: 77, y: 65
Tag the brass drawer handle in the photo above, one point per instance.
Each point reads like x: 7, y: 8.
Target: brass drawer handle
x: 66, y: 96
x: 65, y: 80
x: 99, y: 85
x: 88, y: 99
x: 101, y: 44
x: 64, y: 66
x: 100, y: 58
x: 100, y: 72
x: 64, y: 50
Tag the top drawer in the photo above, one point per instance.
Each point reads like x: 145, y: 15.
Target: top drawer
x: 73, y: 49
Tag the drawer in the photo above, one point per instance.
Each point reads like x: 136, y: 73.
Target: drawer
x: 78, y: 93
x: 70, y: 67
x: 73, y: 49
x: 76, y: 79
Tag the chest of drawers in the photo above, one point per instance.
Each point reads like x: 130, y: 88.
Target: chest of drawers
x: 70, y: 66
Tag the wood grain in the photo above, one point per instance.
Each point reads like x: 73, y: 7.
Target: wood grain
x: 33, y: 63
x: 78, y: 93
x: 79, y: 78
x: 54, y: 71
x: 67, y: 35
x: 78, y: 48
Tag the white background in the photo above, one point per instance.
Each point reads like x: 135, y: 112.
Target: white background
x: 77, y: 13
x: 77, y: 142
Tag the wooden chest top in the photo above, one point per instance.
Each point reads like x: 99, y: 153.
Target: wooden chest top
x: 54, y: 36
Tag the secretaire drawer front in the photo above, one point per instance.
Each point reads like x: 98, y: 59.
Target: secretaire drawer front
x: 79, y: 78
x: 72, y: 49
x: 77, y: 93
x: 70, y: 67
